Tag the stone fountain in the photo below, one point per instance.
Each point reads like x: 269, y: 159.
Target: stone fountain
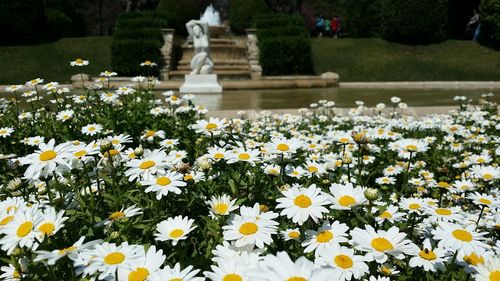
x: 229, y: 54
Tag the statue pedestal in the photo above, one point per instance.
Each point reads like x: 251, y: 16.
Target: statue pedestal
x: 200, y: 83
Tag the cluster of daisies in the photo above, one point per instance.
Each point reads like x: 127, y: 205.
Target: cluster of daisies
x: 128, y: 184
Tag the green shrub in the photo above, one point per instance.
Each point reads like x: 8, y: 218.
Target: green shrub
x: 362, y: 17
x: 490, y: 22
x: 137, y: 38
x: 178, y: 13
x: 21, y: 21
x: 282, y: 31
x: 284, y: 55
x: 58, y: 24
x: 414, y: 22
x: 243, y: 12
x: 128, y: 54
x: 277, y: 20
x: 139, y: 33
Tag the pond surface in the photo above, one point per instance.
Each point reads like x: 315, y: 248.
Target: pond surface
x: 297, y: 98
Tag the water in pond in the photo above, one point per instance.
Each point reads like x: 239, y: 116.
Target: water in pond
x: 297, y: 98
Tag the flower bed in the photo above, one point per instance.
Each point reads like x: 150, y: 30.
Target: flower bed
x: 114, y: 184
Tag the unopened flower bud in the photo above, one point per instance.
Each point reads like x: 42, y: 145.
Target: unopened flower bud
x: 139, y: 151
x: 347, y: 160
x: 106, y: 146
x: 205, y: 163
x: 16, y: 252
x: 360, y: 137
x: 263, y: 208
x: 371, y: 194
x: 114, y: 235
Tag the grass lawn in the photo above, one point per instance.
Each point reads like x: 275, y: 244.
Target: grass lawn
x: 19, y: 64
x: 377, y: 60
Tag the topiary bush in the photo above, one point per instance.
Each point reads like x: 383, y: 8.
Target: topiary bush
x: 137, y: 38
x: 243, y: 12
x: 21, y: 21
x: 490, y: 22
x: 284, y: 45
x: 414, y: 22
x: 283, y: 55
x: 179, y: 12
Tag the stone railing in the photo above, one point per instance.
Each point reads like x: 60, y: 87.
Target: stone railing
x: 166, y: 51
x: 253, y: 54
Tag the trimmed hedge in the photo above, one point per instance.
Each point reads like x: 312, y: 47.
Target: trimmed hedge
x: 277, y: 20
x: 286, y: 55
x: 179, y: 12
x: 243, y: 12
x: 284, y: 45
x: 490, y: 22
x: 137, y: 38
x: 282, y: 31
x: 414, y: 22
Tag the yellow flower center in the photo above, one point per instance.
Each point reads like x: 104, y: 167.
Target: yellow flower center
x: 385, y: 215
x: 163, y: 181
x: 16, y: 274
x: 244, y: 156
x: 48, y: 155
x: 347, y: 200
x: 176, y: 279
x: 443, y: 184
x: 211, y: 126
x: 474, y: 259
x: 147, y: 164
x: 462, y: 235
x: 487, y: 176
x: 112, y: 152
x: 414, y: 206
x: 296, y: 278
x: 248, y: 228
x: 324, y: 236
x: 3, y: 132
x: 218, y: 155
x: 188, y: 177
x: 6, y: 220
x: 221, y: 208
x: 343, y: 261
x: 386, y: 271
x: 116, y: 216
x: 443, y: 212
x: 495, y: 275
x: 176, y: 233
x: 65, y: 250
x: 114, y: 258
x: 411, y: 147
x: 283, y: 147
x: 344, y: 140
x: 294, y: 234
x: 150, y: 133
x: 381, y: 244
x: 79, y: 61
x: 427, y: 254
x: 302, y: 201
x: 91, y: 129
x: 232, y: 277
x: 140, y: 274
x: 47, y: 228
x: 312, y: 169
x: 80, y: 154
x: 24, y: 229
x: 485, y: 201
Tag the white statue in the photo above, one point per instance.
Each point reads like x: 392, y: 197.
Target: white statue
x: 201, y: 62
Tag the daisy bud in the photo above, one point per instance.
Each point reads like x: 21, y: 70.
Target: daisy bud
x: 263, y: 208
x: 371, y: 194
x: 139, y: 151
x: 114, y: 235
x: 106, y: 146
x: 347, y: 160
x: 205, y: 163
x: 16, y: 252
x: 360, y: 137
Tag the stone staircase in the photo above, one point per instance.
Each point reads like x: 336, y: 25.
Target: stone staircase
x: 229, y: 54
